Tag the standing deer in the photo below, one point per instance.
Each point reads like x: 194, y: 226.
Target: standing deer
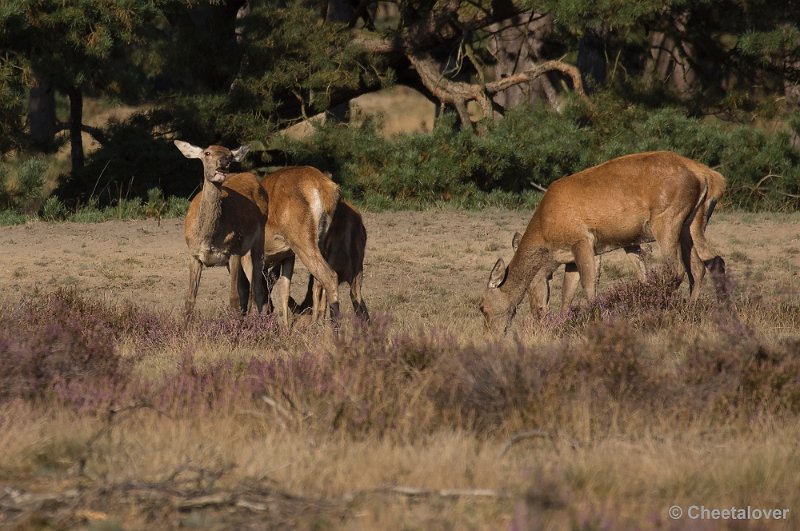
x: 343, y: 248
x: 225, y: 220
x: 539, y: 293
x: 302, y: 201
x: 624, y: 202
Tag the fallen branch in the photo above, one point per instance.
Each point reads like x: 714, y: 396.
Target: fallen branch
x: 414, y: 492
x: 532, y: 434
x: 538, y: 186
x: 522, y: 436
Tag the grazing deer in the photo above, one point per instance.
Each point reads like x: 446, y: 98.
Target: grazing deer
x: 627, y: 201
x: 343, y: 248
x: 225, y: 220
x: 302, y: 201
x: 539, y: 294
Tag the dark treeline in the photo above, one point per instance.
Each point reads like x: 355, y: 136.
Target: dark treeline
x: 527, y: 91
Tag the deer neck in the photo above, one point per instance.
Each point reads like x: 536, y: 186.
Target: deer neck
x: 209, y: 216
x: 527, y: 263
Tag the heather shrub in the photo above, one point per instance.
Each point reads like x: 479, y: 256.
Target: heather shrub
x: 651, y: 305
x: 51, y: 347
x: 742, y: 377
x: 613, y: 357
x: 499, y: 386
x: 483, y: 388
x: 250, y: 329
x: 192, y: 389
x: 373, y: 379
x: 373, y: 382
x: 149, y: 329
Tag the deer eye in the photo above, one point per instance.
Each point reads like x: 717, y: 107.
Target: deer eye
x: 207, y: 153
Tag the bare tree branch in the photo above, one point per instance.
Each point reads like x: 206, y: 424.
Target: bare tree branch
x: 95, y: 132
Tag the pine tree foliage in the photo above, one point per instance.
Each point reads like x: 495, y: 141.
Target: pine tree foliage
x: 659, y: 74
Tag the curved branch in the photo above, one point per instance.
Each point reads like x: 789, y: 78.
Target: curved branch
x: 458, y: 93
x: 529, y: 75
x: 95, y: 132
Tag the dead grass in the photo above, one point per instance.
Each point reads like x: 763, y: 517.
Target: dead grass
x: 624, y: 414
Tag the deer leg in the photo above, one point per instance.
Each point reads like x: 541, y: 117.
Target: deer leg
x: 570, y: 285
x: 634, y: 255
x: 280, y: 292
x: 256, y: 278
x: 322, y: 272
x: 704, y: 256
x: 359, y: 305
x: 308, y: 301
x: 318, y: 303
x: 698, y: 271
x: 195, y: 271
x: 674, y: 241
x: 584, y: 261
x: 239, y: 293
x: 270, y: 276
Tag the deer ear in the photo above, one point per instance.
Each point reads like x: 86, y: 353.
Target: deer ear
x: 240, y: 152
x: 189, y: 151
x: 498, y: 274
x: 515, y: 240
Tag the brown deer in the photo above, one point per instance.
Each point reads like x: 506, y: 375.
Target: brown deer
x: 302, y: 201
x: 539, y: 294
x: 225, y: 220
x: 627, y: 201
x: 343, y: 248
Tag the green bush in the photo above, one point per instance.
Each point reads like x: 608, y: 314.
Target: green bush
x: 54, y: 210
x: 506, y: 165
x: 533, y: 146
x: 22, y: 184
x: 134, y: 159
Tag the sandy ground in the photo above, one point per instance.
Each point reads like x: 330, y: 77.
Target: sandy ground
x: 424, y: 267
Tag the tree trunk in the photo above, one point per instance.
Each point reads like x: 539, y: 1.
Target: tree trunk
x: 592, y: 60
x: 339, y: 11
x: 792, y: 92
x: 41, y: 115
x: 671, y: 59
x: 516, y: 43
x: 239, y: 30
x: 75, y: 119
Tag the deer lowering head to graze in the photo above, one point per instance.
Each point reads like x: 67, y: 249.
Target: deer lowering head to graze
x: 343, y: 248
x: 539, y: 292
x: 627, y: 201
x: 225, y: 220
x: 302, y: 201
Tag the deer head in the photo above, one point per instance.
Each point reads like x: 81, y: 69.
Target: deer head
x: 217, y: 160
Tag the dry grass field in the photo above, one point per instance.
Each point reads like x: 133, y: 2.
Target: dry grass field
x: 114, y: 415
